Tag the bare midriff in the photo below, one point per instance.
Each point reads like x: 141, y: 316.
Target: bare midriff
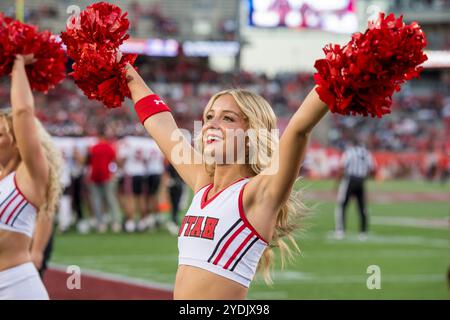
x: 14, y: 249
x: 193, y: 283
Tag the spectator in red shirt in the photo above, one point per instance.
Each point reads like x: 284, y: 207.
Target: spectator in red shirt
x: 444, y: 164
x: 102, y: 157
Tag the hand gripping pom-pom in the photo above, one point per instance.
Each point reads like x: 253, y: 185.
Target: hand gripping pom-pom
x: 92, y: 41
x: 19, y: 38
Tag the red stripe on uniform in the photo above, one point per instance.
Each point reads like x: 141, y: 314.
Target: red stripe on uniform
x: 238, y: 250
x: 21, y: 193
x: 227, y: 244
x: 6, y: 207
x: 14, y: 210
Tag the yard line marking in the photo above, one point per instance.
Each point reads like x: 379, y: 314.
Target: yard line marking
x: 395, y: 253
x: 295, y: 277
x: 378, y: 238
x: 412, y: 222
x: 351, y: 238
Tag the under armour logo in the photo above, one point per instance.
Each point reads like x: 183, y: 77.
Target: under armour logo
x: 157, y: 102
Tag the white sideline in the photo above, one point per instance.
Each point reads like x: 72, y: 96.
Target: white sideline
x: 412, y: 222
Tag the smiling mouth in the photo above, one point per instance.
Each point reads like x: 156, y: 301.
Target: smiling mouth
x: 212, y: 140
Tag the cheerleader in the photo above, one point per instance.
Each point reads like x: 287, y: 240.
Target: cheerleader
x: 239, y: 207
x: 242, y: 175
x: 29, y: 189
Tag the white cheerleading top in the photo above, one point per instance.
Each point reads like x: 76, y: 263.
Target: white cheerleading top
x: 216, y: 236
x: 16, y: 212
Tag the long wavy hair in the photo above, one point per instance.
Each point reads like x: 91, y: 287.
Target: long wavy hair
x: 53, y: 156
x: 260, y: 117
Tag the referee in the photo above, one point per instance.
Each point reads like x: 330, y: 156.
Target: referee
x: 357, y: 164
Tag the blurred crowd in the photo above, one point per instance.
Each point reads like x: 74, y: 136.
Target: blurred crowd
x: 147, y: 19
x: 419, y: 124
x: 420, y: 111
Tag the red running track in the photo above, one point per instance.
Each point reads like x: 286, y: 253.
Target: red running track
x: 100, y: 288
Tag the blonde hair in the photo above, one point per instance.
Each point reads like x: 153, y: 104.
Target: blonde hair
x: 259, y: 115
x: 54, y: 187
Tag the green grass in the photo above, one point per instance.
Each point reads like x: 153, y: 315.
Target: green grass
x: 413, y: 259
x: 386, y: 186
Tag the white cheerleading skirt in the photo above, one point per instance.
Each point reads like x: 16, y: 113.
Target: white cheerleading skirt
x: 22, y: 282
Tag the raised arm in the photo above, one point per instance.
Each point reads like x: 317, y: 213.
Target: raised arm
x: 25, y: 129
x: 278, y: 179
x: 162, y: 127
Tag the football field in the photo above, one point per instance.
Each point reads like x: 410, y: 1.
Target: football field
x: 408, y: 242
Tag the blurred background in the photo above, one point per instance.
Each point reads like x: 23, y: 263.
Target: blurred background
x: 190, y: 49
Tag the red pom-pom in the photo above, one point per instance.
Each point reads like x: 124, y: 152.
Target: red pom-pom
x: 6, y: 50
x: 16, y: 38
x: 92, y: 41
x: 362, y: 76
x: 23, y: 37
x: 102, y: 78
x: 49, y: 69
x: 101, y: 23
x: 19, y: 38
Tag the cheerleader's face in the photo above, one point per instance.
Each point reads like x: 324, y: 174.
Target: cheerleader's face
x: 223, y: 130
x: 8, y: 148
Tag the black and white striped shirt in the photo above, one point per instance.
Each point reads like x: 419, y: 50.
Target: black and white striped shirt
x: 357, y: 162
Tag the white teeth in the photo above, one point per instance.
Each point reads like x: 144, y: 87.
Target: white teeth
x: 212, y: 138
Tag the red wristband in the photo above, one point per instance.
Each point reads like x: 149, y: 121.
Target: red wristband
x: 148, y: 106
